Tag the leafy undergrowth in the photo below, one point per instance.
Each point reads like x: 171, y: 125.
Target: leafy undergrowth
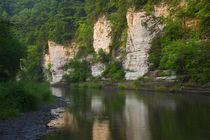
x: 22, y: 96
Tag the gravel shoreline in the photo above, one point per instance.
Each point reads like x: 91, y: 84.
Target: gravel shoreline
x: 31, y: 125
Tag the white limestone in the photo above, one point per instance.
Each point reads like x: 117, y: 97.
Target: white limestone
x: 58, y: 56
x: 97, y: 69
x: 101, y: 36
x: 139, y: 37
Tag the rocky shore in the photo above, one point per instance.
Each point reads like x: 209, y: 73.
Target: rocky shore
x: 31, y: 125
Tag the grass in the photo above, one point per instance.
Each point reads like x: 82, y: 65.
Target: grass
x: 22, y: 96
x: 87, y: 85
x: 160, y: 87
x: 176, y: 87
x: 145, y: 78
x: 133, y: 85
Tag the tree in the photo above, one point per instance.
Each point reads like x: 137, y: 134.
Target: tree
x: 11, y: 51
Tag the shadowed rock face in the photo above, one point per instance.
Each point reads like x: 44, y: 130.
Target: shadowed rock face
x: 101, y: 37
x: 139, y: 37
x: 58, y: 56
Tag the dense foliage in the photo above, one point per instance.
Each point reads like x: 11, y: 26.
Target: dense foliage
x: 64, y: 21
x: 11, y: 51
x: 17, y: 97
x: 114, y: 71
x: 183, y: 44
x: 31, y: 65
x: 21, y: 96
x: 79, y: 71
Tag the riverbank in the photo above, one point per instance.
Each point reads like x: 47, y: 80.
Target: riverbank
x: 31, y: 125
x: 145, y: 85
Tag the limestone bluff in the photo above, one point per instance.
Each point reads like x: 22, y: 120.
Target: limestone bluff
x: 137, y: 46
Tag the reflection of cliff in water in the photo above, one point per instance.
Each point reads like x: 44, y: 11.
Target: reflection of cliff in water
x: 101, y: 130
x: 136, y: 117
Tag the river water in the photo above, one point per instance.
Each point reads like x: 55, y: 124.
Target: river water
x: 110, y: 114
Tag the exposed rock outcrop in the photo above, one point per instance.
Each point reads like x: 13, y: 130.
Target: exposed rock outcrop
x: 97, y: 69
x: 139, y: 37
x: 58, y: 56
x: 101, y: 37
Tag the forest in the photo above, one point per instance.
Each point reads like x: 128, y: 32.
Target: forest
x: 27, y: 25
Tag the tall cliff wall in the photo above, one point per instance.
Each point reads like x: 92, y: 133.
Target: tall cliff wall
x: 57, y: 57
x: 139, y: 37
x: 137, y: 46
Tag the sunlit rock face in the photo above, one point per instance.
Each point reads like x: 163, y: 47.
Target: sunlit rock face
x: 97, y: 69
x: 136, y: 118
x: 101, y: 37
x: 58, y: 56
x: 139, y: 37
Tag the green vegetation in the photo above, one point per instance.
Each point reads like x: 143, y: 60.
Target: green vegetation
x: 114, y: 71
x: 80, y: 71
x: 11, y: 51
x: 17, y: 97
x: 160, y: 87
x: 31, y: 65
x: 133, y: 85
x: 145, y: 78
x: 183, y: 44
x: 87, y: 85
x: 18, y: 63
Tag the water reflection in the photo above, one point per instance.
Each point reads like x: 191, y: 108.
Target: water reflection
x: 97, y: 105
x: 57, y: 91
x: 136, y: 116
x: 101, y: 130
x: 126, y: 115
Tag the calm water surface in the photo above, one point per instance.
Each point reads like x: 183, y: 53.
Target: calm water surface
x: 109, y: 114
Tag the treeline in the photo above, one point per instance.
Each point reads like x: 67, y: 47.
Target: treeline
x: 178, y: 47
x: 19, y: 89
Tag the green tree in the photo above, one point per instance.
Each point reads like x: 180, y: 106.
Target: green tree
x: 11, y: 51
x: 31, y: 66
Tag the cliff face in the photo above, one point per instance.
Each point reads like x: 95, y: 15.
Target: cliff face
x: 139, y: 37
x: 137, y: 46
x: 57, y: 57
x: 135, y: 63
x: 101, y: 37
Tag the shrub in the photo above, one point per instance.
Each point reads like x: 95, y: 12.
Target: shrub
x: 80, y: 71
x: 114, y: 71
x: 22, y: 96
x: 190, y: 59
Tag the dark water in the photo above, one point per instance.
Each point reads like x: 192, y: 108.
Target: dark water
x: 130, y: 115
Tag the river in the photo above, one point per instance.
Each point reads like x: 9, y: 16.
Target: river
x: 111, y: 114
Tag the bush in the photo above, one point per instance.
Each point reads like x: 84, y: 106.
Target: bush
x: 114, y: 71
x: 80, y: 71
x: 190, y: 59
x: 22, y: 96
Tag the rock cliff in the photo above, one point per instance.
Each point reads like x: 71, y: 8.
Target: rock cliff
x: 57, y: 57
x: 139, y: 37
x: 137, y: 46
x: 101, y: 37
